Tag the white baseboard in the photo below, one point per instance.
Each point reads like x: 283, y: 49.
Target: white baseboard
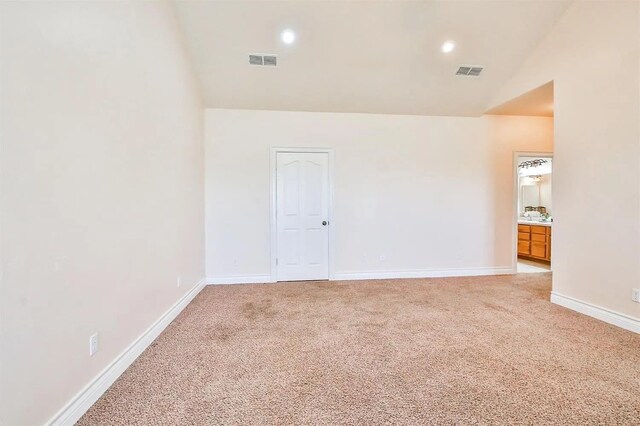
x: 606, y: 315
x: 79, y: 404
x: 423, y: 273
x: 240, y: 279
x: 372, y: 275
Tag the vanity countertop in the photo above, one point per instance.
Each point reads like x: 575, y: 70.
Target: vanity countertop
x: 533, y: 222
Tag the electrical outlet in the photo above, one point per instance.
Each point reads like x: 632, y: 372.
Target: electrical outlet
x: 178, y: 281
x: 635, y: 294
x: 93, y: 344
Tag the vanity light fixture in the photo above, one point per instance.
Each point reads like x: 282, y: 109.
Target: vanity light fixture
x: 532, y: 163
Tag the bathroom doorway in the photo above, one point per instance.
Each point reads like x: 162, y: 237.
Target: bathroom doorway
x: 533, y: 206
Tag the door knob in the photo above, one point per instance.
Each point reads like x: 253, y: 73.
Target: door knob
x: 324, y: 223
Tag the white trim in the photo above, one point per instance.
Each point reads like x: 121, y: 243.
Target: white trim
x: 603, y: 314
x: 423, y: 273
x: 370, y: 275
x: 240, y: 279
x: 514, y: 202
x: 80, y: 403
x: 272, y: 207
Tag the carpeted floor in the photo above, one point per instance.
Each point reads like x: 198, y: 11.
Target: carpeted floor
x: 478, y: 350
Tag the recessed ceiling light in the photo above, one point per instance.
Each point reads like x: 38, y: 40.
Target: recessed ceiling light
x: 288, y: 36
x: 448, y: 46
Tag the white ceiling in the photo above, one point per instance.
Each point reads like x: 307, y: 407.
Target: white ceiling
x: 537, y: 102
x: 369, y: 57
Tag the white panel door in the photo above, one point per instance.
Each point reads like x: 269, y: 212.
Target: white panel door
x: 302, y: 216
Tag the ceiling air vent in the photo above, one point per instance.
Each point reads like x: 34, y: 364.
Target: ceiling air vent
x: 470, y: 70
x: 255, y: 59
x: 263, y: 60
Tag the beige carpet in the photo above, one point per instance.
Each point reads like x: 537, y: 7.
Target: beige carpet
x: 482, y: 350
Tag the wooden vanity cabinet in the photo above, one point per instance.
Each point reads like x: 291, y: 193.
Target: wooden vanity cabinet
x: 524, y: 240
x: 534, y: 241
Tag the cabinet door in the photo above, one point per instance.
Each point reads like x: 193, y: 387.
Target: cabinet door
x: 538, y: 229
x: 539, y: 238
x: 539, y: 250
x: 524, y: 247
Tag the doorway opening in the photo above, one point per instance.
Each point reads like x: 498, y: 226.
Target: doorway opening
x: 534, y: 211
x: 532, y: 225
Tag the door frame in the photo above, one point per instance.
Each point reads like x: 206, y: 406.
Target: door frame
x: 273, y: 205
x: 514, y: 202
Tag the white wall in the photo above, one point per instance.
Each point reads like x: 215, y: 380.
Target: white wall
x: 101, y: 190
x: 593, y: 57
x: 412, y: 193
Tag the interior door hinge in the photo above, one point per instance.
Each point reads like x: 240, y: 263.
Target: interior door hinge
x: 276, y: 260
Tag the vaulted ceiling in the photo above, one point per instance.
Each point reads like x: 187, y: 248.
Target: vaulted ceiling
x: 369, y: 57
x: 536, y: 102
